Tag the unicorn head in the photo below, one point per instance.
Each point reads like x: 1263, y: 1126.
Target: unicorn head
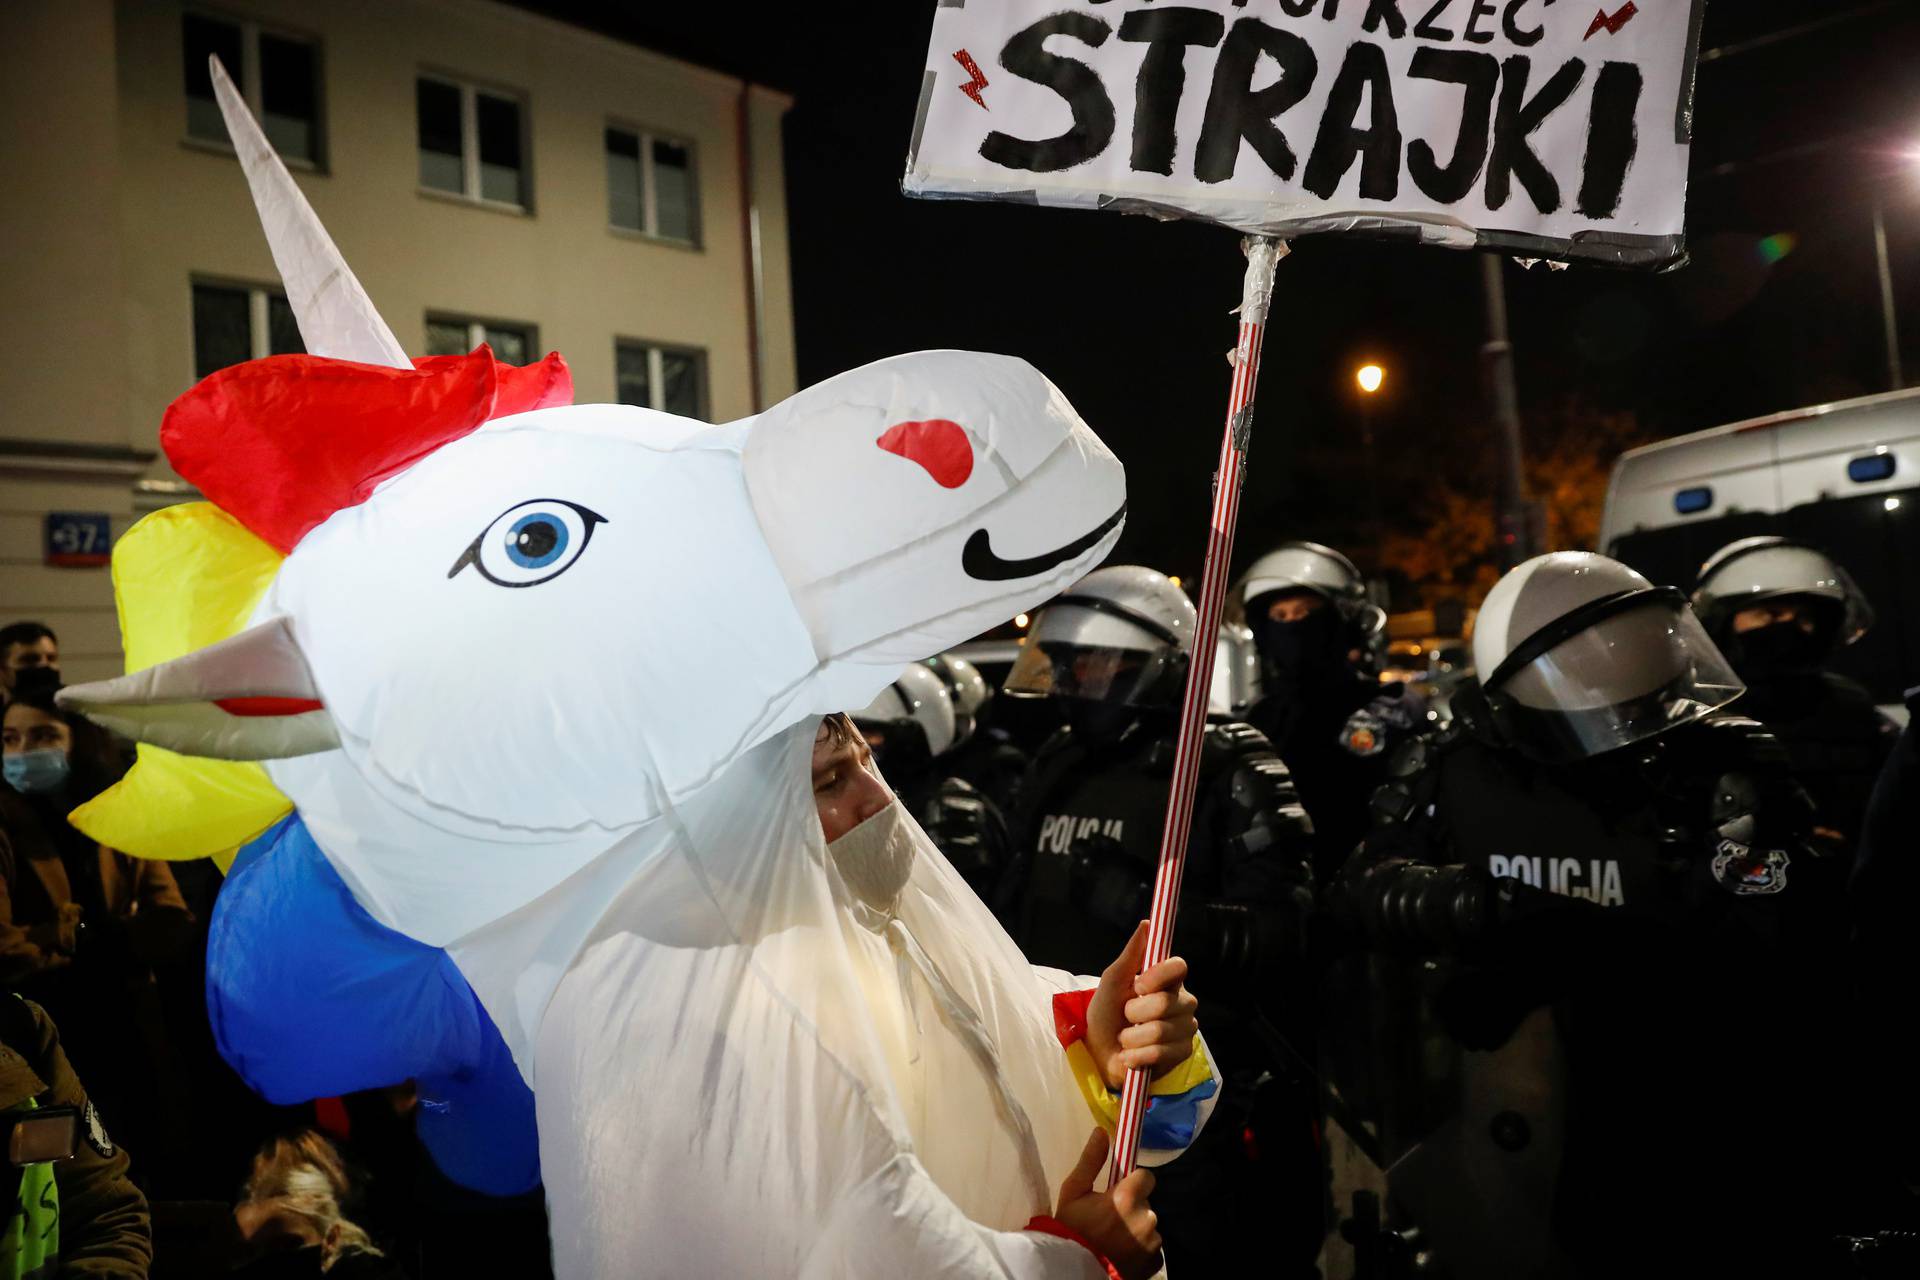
x: 498, y: 630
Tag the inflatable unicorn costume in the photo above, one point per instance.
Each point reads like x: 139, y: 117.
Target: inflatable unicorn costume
x: 602, y: 877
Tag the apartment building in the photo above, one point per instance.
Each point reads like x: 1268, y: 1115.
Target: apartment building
x: 491, y: 175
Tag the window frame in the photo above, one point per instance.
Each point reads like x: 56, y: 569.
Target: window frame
x: 259, y: 325
x: 251, y: 29
x: 656, y: 370
x: 469, y: 90
x: 649, y: 189
x: 477, y: 327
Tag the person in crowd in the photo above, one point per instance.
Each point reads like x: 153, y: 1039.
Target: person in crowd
x: 70, y: 1209
x: 293, y: 1216
x: 1147, y: 1021
x: 1113, y: 650
x: 27, y: 646
x: 1321, y: 706
x: 1781, y: 611
x: 912, y: 728
x: 1640, y: 938
x: 81, y: 925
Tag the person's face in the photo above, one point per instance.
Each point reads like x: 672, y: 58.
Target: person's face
x: 1772, y: 613
x: 31, y: 729
x: 44, y: 652
x: 1295, y: 606
x: 845, y: 791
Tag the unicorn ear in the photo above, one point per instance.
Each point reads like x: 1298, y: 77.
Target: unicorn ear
x: 250, y: 697
x: 335, y: 315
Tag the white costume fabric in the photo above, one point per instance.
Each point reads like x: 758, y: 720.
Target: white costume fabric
x: 748, y: 1057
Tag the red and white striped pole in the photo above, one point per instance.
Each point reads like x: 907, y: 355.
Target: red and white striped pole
x: 1256, y: 294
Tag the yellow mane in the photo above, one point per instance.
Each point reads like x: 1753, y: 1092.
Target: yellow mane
x: 184, y: 578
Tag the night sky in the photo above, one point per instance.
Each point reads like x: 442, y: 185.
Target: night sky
x: 1130, y: 316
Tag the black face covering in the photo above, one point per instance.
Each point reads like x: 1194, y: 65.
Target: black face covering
x: 1098, y: 723
x: 1296, y: 655
x: 1781, y: 649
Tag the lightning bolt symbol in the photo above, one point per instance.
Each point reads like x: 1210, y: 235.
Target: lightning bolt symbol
x: 1621, y: 17
x: 979, y: 82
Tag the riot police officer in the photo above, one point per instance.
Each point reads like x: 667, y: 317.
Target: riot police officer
x: 1780, y: 610
x: 1321, y: 706
x: 911, y: 728
x: 1113, y: 650
x: 1640, y: 939
x: 983, y: 753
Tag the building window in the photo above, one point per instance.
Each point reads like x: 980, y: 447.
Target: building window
x: 278, y: 74
x: 472, y: 142
x: 673, y: 379
x: 650, y: 185
x: 457, y: 335
x: 233, y: 323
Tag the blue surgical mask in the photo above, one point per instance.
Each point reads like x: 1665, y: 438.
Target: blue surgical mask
x: 37, y: 772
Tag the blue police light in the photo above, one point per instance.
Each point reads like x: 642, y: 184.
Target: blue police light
x: 1688, y: 501
x: 1869, y: 467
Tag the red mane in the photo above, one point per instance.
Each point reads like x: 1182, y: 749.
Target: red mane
x: 282, y: 443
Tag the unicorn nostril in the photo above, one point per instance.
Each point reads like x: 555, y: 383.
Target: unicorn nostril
x: 939, y: 446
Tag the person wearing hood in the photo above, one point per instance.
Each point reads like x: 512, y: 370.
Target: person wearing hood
x: 1330, y: 719
x: 82, y: 925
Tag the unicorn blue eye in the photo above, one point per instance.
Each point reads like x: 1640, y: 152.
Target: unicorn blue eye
x: 531, y: 543
x: 536, y: 541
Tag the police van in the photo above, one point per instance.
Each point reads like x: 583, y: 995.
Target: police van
x: 1844, y: 477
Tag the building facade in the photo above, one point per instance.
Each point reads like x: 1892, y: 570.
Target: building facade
x: 491, y: 175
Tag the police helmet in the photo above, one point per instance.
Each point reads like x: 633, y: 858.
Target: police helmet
x: 910, y: 721
x: 1763, y: 570
x: 967, y: 689
x: 1577, y: 654
x: 1122, y: 635
x: 1236, y: 672
x: 1309, y: 566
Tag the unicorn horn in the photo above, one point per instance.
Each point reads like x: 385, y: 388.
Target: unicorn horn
x: 335, y: 315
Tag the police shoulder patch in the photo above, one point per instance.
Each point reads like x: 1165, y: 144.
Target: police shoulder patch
x: 1364, y: 734
x: 1745, y: 871
x: 95, y: 1132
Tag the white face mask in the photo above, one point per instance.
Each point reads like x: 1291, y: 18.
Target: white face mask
x: 876, y: 857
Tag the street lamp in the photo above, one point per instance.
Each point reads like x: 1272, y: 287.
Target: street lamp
x: 1370, y: 378
x: 1910, y: 160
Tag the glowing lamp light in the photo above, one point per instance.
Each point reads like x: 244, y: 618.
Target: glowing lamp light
x: 1370, y: 376
x: 1020, y: 620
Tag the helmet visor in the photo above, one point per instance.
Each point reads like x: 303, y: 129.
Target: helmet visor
x: 1096, y: 673
x: 1621, y: 680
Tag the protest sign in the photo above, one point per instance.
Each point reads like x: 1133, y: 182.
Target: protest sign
x: 1548, y: 128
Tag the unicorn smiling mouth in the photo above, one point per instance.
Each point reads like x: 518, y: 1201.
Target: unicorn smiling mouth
x: 978, y: 560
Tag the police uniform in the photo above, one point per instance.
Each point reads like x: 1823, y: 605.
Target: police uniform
x: 1652, y: 1033
x: 1834, y: 734
x: 965, y: 825
x: 1336, y: 741
x: 1090, y: 820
